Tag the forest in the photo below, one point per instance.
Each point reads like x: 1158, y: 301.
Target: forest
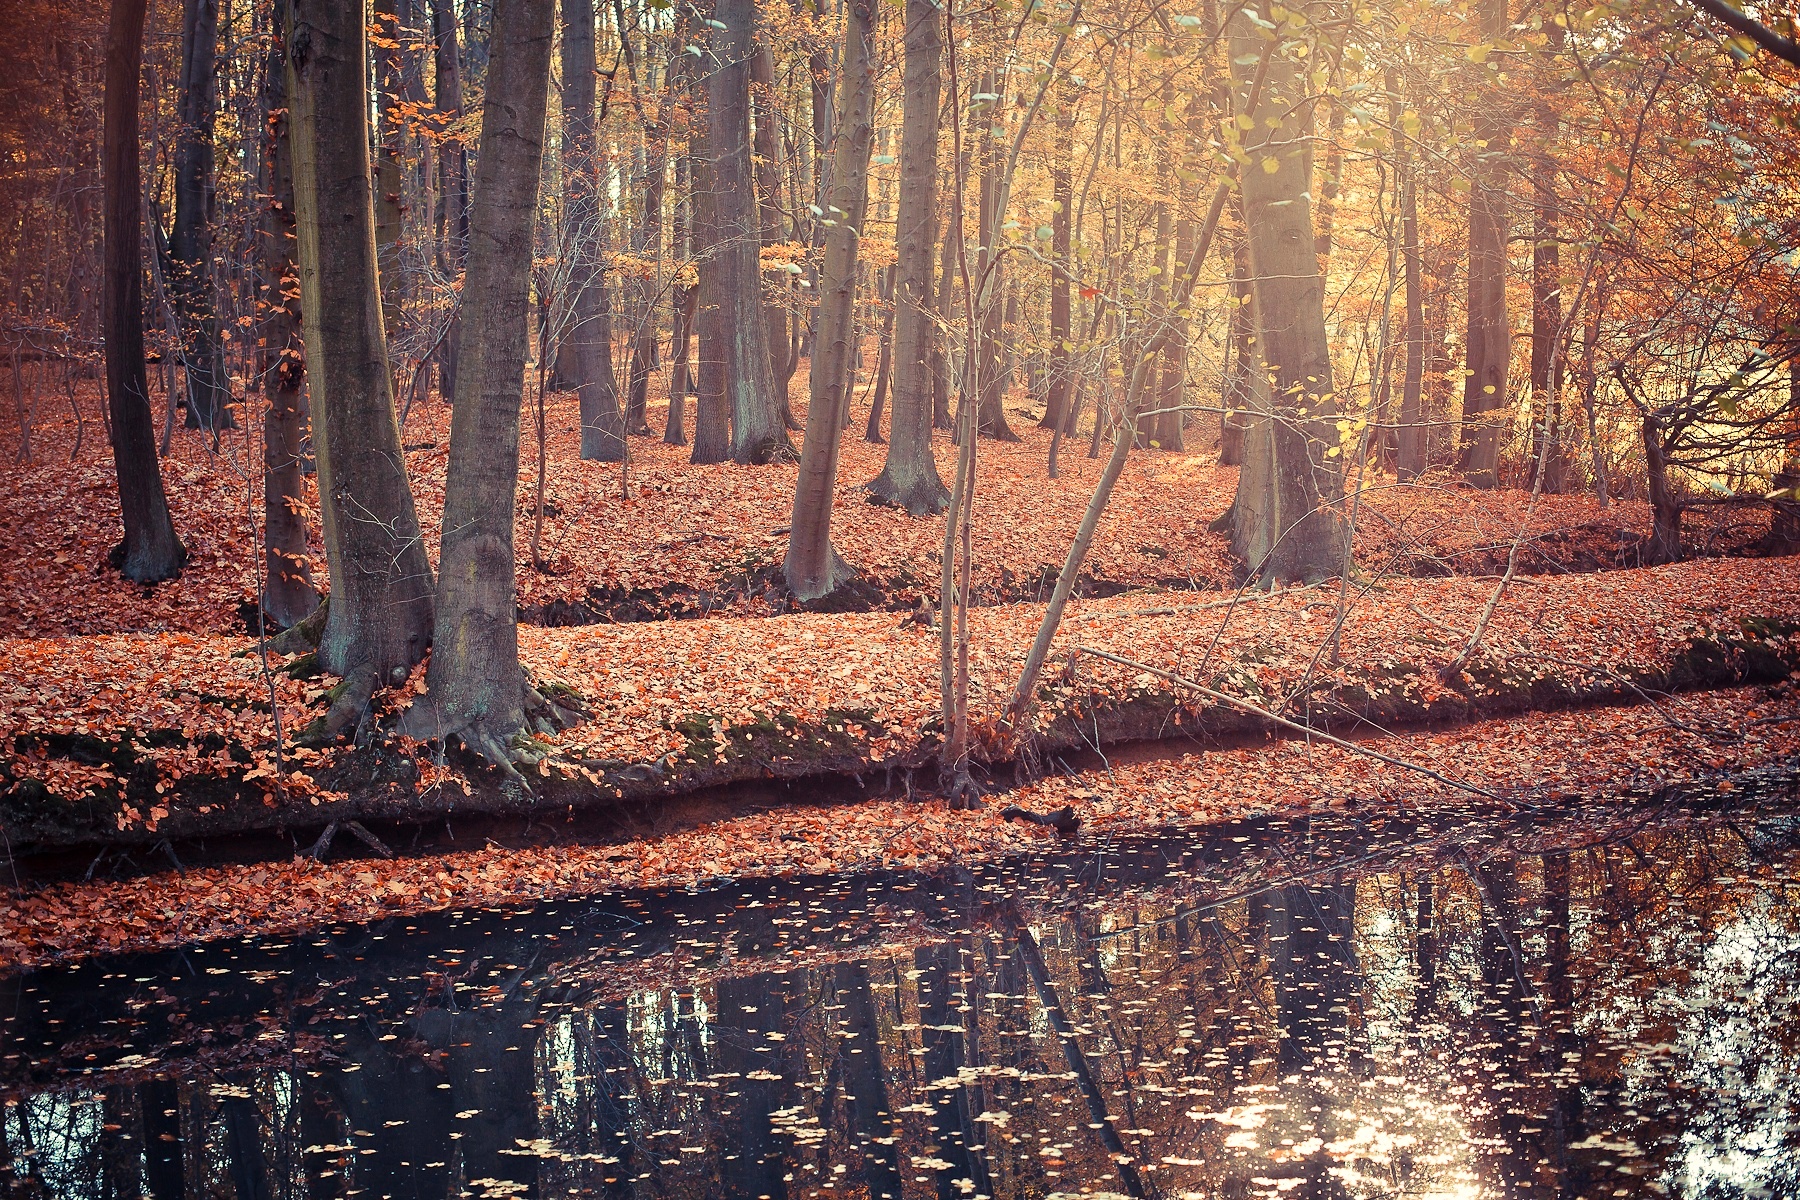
x: 1309, y: 491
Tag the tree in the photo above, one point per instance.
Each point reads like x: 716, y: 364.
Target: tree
x: 589, y: 337
x: 1285, y: 526
x: 288, y: 591
x: 1488, y: 342
x: 378, y: 624
x: 909, y: 476
x: 813, y: 568
x: 453, y: 178
x: 734, y: 341
x: 475, y: 688
x: 150, y: 552
x: 190, y: 236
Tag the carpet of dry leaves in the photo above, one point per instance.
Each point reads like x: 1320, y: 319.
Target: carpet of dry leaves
x: 1608, y: 749
x: 661, y: 536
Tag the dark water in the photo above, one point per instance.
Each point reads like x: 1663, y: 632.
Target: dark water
x: 1596, y: 1004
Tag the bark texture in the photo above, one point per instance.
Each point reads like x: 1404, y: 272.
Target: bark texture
x: 476, y: 688
x: 379, y: 623
x: 734, y: 341
x: 288, y: 591
x: 589, y: 336
x: 1295, y: 487
x: 150, y: 551
x: 909, y: 476
x: 812, y: 567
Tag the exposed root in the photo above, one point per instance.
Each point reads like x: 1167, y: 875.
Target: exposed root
x: 961, y: 790
x: 512, y: 739
x: 305, y: 636
x: 349, y: 708
x: 323, y: 845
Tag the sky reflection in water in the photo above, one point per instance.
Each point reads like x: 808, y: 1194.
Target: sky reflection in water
x: 1591, y: 1005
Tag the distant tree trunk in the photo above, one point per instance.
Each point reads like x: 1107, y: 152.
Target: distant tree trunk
x: 380, y: 617
x: 453, y: 181
x: 1062, y: 195
x: 909, y: 475
x: 649, y: 248
x: 737, y: 349
x: 288, y: 591
x: 476, y: 687
x: 1246, y: 358
x: 1546, y: 294
x: 884, y: 362
x: 1330, y: 184
x: 940, y: 358
x: 1173, y: 393
x: 706, y: 382
x: 784, y: 352
x: 683, y: 297
x: 1665, y: 508
x: 813, y: 568
x: 1784, y: 525
x: 1410, y: 444
x: 990, y: 275
x: 1488, y: 344
x: 1302, y: 537
x: 589, y: 337
x: 190, y: 236
x: 150, y: 551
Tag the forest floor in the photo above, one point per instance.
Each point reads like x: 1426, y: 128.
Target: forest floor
x: 133, y: 715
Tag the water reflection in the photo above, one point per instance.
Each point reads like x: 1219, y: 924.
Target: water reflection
x: 1587, y: 1005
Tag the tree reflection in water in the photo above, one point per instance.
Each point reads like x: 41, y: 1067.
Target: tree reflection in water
x: 1590, y: 1003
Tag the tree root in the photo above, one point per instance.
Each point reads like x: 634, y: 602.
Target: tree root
x: 961, y: 790
x: 323, y: 845
x: 349, y: 708
x: 510, y: 738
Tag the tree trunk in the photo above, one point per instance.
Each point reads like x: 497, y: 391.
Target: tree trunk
x: 1062, y: 194
x: 813, y: 568
x: 909, y: 475
x: 784, y: 353
x: 1665, y: 509
x: 453, y: 181
x: 1246, y: 357
x: 940, y: 358
x: 737, y: 350
x: 990, y: 274
x: 1410, y: 454
x: 1488, y: 344
x: 288, y: 591
x: 1173, y: 394
x: 190, y: 237
x: 649, y: 249
x: 1546, y: 295
x: 380, y: 617
x: 590, y: 316
x: 706, y: 381
x: 1303, y: 538
x: 884, y: 361
x: 476, y: 688
x: 150, y: 552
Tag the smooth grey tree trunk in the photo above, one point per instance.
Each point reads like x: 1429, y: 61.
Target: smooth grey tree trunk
x: 813, y: 568
x: 453, y: 180
x: 379, y: 624
x: 475, y: 687
x: 288, y: 591
x: 734, y: 335
x: 589, y: 337
x: 909, y: 476
x: 1488, y: 343
x: 190, y: 235
x: 150, y: 552
x: 1411, y: 443
x: 1299, y: 488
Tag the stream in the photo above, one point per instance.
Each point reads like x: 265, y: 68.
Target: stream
x: 1587, y: 1001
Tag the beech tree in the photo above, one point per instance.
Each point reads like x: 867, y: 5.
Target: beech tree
x: 909, y: 476
x: 378, y: 622
x: 589, y: 336
x: 1286, y: 526
x: 812, y: 567
x: 191, y: 234
x: 1488, y: 344
x: 475, y: 688
x: 150, y: 551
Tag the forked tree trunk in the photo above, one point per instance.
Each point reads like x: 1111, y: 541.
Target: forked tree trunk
x: 150, y: 551
x: 589, y: 337
x: 1665, y: 509
x: 909, y: 476
x: 190, y: 236
x: 884, y: 361
x: 1303, y: 538
x: 813, y: 568
x: 476, y: 687
x: 734, y: 336
x: 379, y: 623
x: 1488, y: 343
x: 288, y: 591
